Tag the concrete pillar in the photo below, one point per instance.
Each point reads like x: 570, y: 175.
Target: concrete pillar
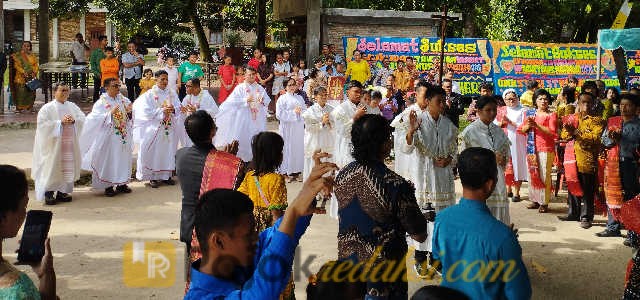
x: 55, y: 39
x: 109, y: 33
x: 27, y: 25
x: 314, y: 10
x: 83, y: 27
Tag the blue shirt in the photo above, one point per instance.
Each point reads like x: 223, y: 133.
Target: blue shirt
x: 629, y: 140
x: 480, y: 255
x: 274, y: 258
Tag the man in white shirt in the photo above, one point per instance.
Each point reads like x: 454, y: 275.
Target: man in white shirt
x: 78, y: 56
x: 196, y: 99
x: 343, y: 117
x: 132, y: 61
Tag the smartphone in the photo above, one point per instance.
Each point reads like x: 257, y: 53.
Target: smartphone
x: 36, y: 230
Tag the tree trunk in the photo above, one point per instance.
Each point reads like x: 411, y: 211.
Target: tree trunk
x: 43, y: 31
x: 203, y: 42
x: 261, y: 24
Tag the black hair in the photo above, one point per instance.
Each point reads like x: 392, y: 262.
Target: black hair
x: 408, y: 58
x: 572, y: 79
x: 319, y: 90
x: 250, y: 68
x: 195, y: 81
x: 436, y: 292
x: 476, y: 166
x: 541, y: 92
x: 634, y: 90
x: 532, y: 84
x: 219, y: 210
x: 616, y: 99
x: 434, y: 91
x: 593, y: 97
x: 369, y: 134
x: 313, y: 73
x: 486, y: 86
x: 131, y: 42
x: 569, y: 93
x: 484, y: 100
x: 109, y: 48
x: 78, y: 35
x: 447, y: 80
x: 354, y: 84
x: 289, y: 80
x: 59, y: 84
x: 102, y: 38
x: 194, y: 52
x: 424, y: 84
x: 108, y: 81
x: 160, y: 72
x: 591, y: 85
x: 267, y: 148
x: 319, y: 289
x: 13, y: 183
x: 635, y: 99
x: 329, y: 57
x: 376, y: 94
x: 354, y: 52
x: 198, y: 126
x: 147, y: 70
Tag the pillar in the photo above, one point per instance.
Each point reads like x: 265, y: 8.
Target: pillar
x: 314, y: 10
x: 27, y: 25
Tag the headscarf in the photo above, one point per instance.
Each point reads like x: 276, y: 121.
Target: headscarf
x: 507, y: 91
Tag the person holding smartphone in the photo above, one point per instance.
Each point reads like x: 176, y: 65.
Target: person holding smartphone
x: 13, y: 209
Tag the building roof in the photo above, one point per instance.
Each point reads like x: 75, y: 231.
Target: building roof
x: 371, y: 13
x: 27, y: 4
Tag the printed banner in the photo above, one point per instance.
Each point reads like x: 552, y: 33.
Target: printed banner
x: 633, y: 65
x: 549, y: 64
x: 469, y: 57
x: 335, y: 88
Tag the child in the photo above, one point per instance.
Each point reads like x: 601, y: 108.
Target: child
x: 240, y: 74
x: 295, y: 74
x: 388, y: 105
x: 172, y: 71
x: 109, y: 66
x: 228, y: 81
x: 289, y: 109
x: 303, y: 72
x: 371, y: 99
x: 227, y: 236
x: 339, y: 70
x: 147, y: 82
x: 187, y: 70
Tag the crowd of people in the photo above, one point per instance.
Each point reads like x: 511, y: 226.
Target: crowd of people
x: 233, y: 173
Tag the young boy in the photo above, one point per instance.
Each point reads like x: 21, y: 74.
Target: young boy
x: 225, y: 227
x: 187, y: 70
x: 109, y: 66
x: 318, y: 130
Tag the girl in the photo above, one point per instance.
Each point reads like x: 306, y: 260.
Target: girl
x: 540, y: 126
x: 303, y: 72
x: 172, y: 72
x: 240, y: 74
x: 147, y: 82
x: 228, y: 81
x: 318, y: 130
x: 265, y: 187
x: 265, y: 74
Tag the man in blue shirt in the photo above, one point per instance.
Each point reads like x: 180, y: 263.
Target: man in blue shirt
x: 480, y: 256
x: 237, y: 263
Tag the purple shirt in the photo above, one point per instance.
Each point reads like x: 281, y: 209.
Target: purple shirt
x: 387, y: 108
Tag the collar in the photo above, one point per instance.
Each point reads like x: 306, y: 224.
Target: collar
x: 475, y: 204
x: 208, y: 282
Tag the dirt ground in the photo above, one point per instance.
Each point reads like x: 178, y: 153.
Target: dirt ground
x: 88, y: 235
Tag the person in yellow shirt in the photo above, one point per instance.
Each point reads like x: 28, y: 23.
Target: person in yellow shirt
x: 527, y: 97
x: 358, y: 68
x: 147, y: 81
x: 109, y: 66
x: 403, y: 77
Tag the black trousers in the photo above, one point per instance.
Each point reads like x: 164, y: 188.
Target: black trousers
x: 96, y: 87
x: 83, y: 77
x: 582, y: 207
x: 133, y: 88
x: 630, y: 187
x: 182, y: 91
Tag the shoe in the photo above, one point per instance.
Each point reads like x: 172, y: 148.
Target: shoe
x: 63, y: 197
x: 516, y: 199
x: 123, y: 189
x: 585, y: 224
x: 567, y: 218
x: 627, y: 242
x: 510, y: 194
x: 299, y: 178
x: 533, y: 205
x: 154, y: 184
x: 169, y: 181
x: 543, y: 209
x: 608, y: 233
x: 421, y: 272
x: 48, y: 199
x: 109, y: 192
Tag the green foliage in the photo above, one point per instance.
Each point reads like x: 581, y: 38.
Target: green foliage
x: 233, y: 39
x: 183, y: 40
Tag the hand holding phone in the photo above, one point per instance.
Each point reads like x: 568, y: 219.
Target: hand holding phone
x: 34, y: 235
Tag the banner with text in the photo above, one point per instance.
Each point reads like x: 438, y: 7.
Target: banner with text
x: 469, y: 57
x: 633, y: 64
x: 549, y: 64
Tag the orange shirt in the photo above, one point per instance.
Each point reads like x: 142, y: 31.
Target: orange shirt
x: 109, y: 68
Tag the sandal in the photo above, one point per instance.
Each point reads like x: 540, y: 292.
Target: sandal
x: 543, y: 209
x: 533, y: 205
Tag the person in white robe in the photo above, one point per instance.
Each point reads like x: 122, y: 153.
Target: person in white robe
x: 56, y: 149
x: 106, y: 143
x: 485, y: 134
x: 289, y: 109
x: 513, y: 118
x: 400, y: 160
x: 196, y: 99
x: 156, y: 122
x: 242, y: 115
x: 430, y: 147
x: 343, y: 117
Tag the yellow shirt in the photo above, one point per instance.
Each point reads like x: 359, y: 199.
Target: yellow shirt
x: 146, y: 85
x: 358, y: 70
x: 403, y: 79
x: 273, y: 187
x: 527, y: 99
x: 587, y: 145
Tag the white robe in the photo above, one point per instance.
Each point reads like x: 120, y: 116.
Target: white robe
x: 434, y: 139
x: 491, y: 137
x: 400, y: 161
x: 292, y: 132
x: 342, y: 117
x: 241, y: 120
x: 518, y: 143
x: 203, y: 101
x: 107, y: 143
x: 46, y: 170
x: 316, y: 135
x: 158, y: 143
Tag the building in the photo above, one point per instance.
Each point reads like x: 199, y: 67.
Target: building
x: 21, y: 24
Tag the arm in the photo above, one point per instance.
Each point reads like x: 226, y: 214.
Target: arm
x: 553, y: 126
x: 311, y: 123
x: 411, y: 218
x: 126, y: 62
x: 606, y: 141
x: 590, y: 136
x: 514, y: 276
x: 277, y: 195
x: 342, y: 122
x: 283, y: 114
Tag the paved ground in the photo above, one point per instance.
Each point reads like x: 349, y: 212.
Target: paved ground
x: 88, y: 235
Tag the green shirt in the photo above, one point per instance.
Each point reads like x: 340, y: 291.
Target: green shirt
x: 96, y: 56
x: 189, y: 71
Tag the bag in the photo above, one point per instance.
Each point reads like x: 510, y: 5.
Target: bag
x: 34, y: 84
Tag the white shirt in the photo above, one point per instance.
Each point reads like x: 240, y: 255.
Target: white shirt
x: 78, y: 52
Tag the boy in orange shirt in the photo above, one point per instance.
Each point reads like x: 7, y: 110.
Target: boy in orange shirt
x: 109, y: 65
